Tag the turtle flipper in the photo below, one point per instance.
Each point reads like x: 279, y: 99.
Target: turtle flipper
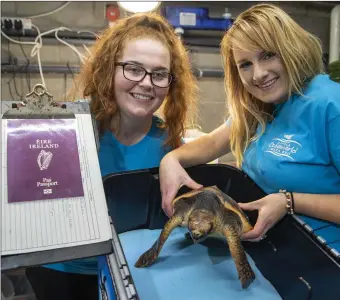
x: 149, y: 256
x: 245, y: 272
x: 187, y: 236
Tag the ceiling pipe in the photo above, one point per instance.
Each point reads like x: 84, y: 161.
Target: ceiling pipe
x: 334, y: 40
x: 34, y: 69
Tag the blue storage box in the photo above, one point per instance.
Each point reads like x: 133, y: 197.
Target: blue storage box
x: 194, y: 18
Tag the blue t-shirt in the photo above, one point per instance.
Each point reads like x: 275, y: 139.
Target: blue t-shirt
x: 300, y: 149
x: 116, y: 157
x: 147, y: 153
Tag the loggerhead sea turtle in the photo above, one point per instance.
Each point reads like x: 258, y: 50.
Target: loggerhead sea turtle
x: 207, y: 211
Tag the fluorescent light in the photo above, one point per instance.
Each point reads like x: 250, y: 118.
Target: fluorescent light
x: 138, y: 6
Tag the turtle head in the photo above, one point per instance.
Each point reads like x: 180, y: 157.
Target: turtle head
x: 200, y: 224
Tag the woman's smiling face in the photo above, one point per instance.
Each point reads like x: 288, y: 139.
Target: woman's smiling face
x: 263, y: 75
x: 141, y: 99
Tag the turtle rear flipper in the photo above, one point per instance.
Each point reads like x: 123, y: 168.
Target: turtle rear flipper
x: 149, y: 256
x: 245, y: 272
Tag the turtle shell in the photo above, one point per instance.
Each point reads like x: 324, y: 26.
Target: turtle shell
x: 227, y: 202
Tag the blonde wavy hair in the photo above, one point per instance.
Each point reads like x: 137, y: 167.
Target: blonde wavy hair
x: 95, y: 80
x: 269, y: 28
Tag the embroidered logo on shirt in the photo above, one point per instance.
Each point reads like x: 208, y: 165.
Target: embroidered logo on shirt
x: 284, y: 146
x: 288, y: 136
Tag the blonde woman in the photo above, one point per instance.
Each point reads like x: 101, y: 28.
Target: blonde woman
x: 283, y: 124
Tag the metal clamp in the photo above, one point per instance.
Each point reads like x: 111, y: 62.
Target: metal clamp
x: 39, y: 97
x: 38, y: 104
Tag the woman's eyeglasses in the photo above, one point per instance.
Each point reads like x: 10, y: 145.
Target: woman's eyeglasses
x: 137, y: 73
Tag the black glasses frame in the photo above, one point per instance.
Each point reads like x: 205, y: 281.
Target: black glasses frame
x: 123, y: 64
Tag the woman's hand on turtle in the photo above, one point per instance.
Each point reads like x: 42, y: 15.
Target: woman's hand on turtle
x: 172, y: 177
x: 271, y: 209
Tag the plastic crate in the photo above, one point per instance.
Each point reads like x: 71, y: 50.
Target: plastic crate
x: 194, y: 18
x: 291, y: 258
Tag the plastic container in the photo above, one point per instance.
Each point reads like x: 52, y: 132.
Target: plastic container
x: 291, y: 258
x: 195, y: 18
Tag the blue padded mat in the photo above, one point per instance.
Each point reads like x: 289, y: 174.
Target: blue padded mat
x: 335, y: 246
x: 313, y: 222
x: 330, y: 234
x: 188, y: 271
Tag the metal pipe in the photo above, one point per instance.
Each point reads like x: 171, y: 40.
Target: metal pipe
x: 208, y: 73
x: 334, y: 40
x: 50, y: 41
x: 88, y: 42
x: 34, y: 69
x: 202, y: 41
x: 203, y: 49
x: 86, y: 38
x: 32, y: 33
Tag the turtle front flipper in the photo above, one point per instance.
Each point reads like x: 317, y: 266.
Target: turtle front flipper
x: 148, y: 257
x: 245, y: 272
x: 187, y: 236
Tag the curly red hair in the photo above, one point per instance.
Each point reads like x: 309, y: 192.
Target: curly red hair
x: 96, y: 75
